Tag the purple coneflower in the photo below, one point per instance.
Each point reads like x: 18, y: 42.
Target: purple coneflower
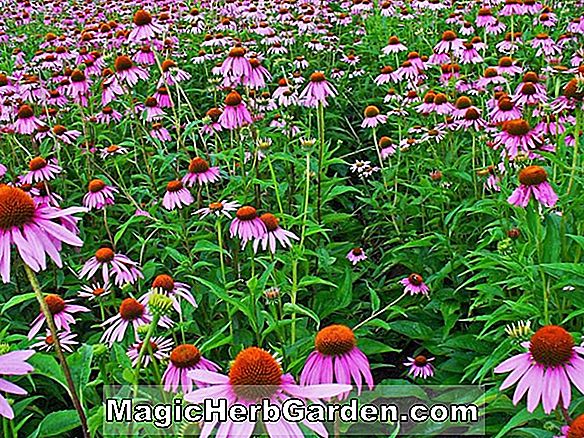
x: 144, y: 29
x: 200, y: 172
x: 247, y: 225
x: 517, y: 136
x: 128, y: 72
x: 534, y: 182
x: 356, y: 255
x: 274, y: 233
x: 176, y: 196
x: 235, y: 114
x: 131, y: 312
x: 317, y: 91
x: 13, y: 364
x: 219, y: 208
x: 546, y: 369
x: 95, y: 291
x: 255, y: 375
x: 47, y: 342
x: 373, y: 117
x: 41, y: 169
x: 336, y: 359
x: 420, y: 366
x: 449, y: 43
x: 507, y: 66
x: 62, y: 311
x: 574, y: 430
x: 32, y: 228
x: 173, y: 289
x: 99, y: 195
x: 414, y: 284
x: 236, y: 68
x: 26, y: 122
x: 184, y: 359
x: 109, y: 263
x: 159, y: 347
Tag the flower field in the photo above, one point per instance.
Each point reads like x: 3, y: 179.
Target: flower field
x: 309, y: 199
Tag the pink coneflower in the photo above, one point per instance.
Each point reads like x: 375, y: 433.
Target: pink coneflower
x: 546, y: 369
x: 485, y: 18
x: 450, y: 43
x: 373, y: 117
x: 108, y: 115
x: 235, y: 114
x: 414, y: 284
x: 41, y: 169
x: 162, y: 97
x: 176, y: 196
x: 469, y: 54
x: 128, y: 72
x: 258, y: 75
x: 13, y: 364
x: 173, y: 289
x: 530, y: 91
x: 26, y: 122
x: 517, y: 136
x: 62, y: 311
x: 159, y: 348
x: 236, y: 69
x: 184, y: 359
x: 545, y: 45
x: 200, y: 172
x: 441, y: 105
x: 255, y: 375
x: 113, y: 150
x: 94, y: 292
x: 247, y: 225
x: 356, y: 255
x: 507, y: 66
x: 159, y: 132
x: 420, y: 366
x: 211, y: 120
x: 99, y: 195
x: 387, y: 147
x: 78, y: 87
x: 47, y: 342
x: 274, y: 234
x: 512, y: 7
x: 505, y: 111
x: 317, y: 91
x: 393, y: 46
x: 109, y: 263
x: 144, y: 29
x: 67, y: 136
x: 152, y: 111
x: 131, y: 312
x: 336, y: 359
x: 219, y: 208
x: 33, y: 229
x: 171, y: 74
x: 533, y: 181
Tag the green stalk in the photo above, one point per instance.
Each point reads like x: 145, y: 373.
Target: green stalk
x: 223, y: 276
x: 145, y: 345
x: 576, y: 149
x: 321, y: 144
x: 58, y: 350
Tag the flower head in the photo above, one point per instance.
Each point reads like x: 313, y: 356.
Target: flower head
x: 13, y: 364
x: 533, y: 181
x: 36, y: 230
x: 545, y: 371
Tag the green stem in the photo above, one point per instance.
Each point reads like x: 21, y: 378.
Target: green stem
x: 276, y: 187
x: 321, y: 145
x: 576, y: 148
x: 145, y: 344
x: 58, y: 350
x: 379, y: 312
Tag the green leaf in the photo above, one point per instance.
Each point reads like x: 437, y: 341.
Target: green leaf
x: 16, y: 300
x: 521, y: 417
x: 80, y: 366
x: 57, y: 424
x: 290, y: 308
x: 47, y: 366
